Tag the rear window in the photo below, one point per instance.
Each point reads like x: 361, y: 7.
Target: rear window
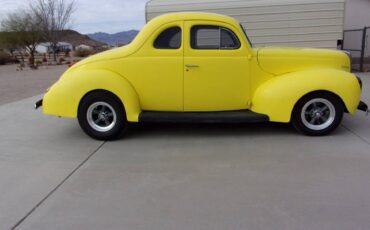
x: 169, y: 39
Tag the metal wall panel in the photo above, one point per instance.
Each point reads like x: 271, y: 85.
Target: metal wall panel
x: 314, y: 23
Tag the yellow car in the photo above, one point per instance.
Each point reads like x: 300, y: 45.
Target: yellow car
x: 201, y: 67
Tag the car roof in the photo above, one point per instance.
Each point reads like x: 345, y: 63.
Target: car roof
x: 183, y: 16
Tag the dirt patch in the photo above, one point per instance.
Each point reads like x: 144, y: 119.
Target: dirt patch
x: 16, y: 85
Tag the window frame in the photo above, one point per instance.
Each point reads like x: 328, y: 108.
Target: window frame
x: 195, y: 28
x: 246, y: 35
x: 169, y: 48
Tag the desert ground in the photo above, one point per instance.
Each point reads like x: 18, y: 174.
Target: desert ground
x: 16, y: 85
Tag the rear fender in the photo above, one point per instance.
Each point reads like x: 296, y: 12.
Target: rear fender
x: 64, y: 97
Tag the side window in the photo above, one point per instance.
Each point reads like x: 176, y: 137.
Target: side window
x: 213, y: 37
x: 229, y: 40
x: 205, y: 37
x: 169, y: 39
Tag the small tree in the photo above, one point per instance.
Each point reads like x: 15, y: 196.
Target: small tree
x: 54, y: 17
x: 9, y: 42
x: 21, y: 31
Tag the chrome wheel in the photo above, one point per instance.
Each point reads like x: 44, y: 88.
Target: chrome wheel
x: 318, y: 114
x: 101, y: 116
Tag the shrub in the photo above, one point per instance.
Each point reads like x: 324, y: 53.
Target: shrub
x: 83, y: 52
x: 5, y: 58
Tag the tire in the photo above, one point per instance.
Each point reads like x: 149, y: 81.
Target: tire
x: 318, y: 114
x: 102, y: 116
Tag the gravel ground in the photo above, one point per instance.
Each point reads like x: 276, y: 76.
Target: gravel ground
x: 16, y: 85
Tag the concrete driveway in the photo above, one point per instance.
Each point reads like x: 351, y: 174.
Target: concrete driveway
x: 166, y: 177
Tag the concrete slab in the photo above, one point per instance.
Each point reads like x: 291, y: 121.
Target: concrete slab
x: 219, y: 177
x: 36, y: 153
x: 204, y: 177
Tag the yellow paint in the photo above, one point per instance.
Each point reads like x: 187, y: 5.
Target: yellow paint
x: 63, y: 98
x: 267, y: 80
x: 286, y: 60
x: 221, y: 80
x: 277, y: 96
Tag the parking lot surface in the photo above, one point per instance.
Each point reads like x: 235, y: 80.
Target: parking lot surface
x: 165, y: 177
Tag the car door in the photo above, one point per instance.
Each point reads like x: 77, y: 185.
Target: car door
x: 156, y: 69
x: 216, y: 67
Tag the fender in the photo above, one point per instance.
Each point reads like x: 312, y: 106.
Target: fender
x: 278, y: 96
x: 64, y: 96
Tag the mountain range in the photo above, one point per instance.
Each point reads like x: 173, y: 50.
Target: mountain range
x: 76, y: 39
x: 120, y: 38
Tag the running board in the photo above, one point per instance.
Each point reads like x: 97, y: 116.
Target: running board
x: 240, y: 116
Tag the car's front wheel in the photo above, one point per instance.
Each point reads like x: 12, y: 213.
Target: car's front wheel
x: 102, y: 116
x: 318, y: 114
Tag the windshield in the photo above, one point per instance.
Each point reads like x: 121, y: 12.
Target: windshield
x: 245, y: 33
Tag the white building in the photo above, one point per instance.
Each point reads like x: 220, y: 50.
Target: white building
x: 84, y: 47
x: 357, y: 14
x: 46, y: 47
x: 305, y: 23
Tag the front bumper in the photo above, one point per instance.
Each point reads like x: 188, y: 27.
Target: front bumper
x: 363, y: 107
x: 38, y: 104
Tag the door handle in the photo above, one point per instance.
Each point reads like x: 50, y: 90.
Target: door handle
x: 191, y: 66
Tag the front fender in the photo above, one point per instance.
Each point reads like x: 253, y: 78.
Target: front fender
x: 278, y: 96
x: 64, y: 96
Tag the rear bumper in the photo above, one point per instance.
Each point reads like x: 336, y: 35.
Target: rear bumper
x: 38, y: 104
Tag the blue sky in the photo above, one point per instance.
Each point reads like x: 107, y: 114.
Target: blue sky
x: 109, y: 16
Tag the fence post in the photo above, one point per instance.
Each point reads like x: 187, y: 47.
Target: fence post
x: 363, y: 49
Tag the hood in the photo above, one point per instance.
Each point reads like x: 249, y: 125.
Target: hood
x: 285, y: 60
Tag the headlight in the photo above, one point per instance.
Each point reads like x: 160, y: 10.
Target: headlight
x: 348, y: 53
x: 350, y: 59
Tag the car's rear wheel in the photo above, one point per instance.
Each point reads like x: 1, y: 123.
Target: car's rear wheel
x: 102, y: 116
x: 318, y: 114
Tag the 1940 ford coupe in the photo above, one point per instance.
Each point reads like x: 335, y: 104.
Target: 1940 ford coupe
x: 201, y: 67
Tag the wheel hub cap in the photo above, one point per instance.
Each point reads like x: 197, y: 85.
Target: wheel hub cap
x: 101, y: 116
x: 318, y: 114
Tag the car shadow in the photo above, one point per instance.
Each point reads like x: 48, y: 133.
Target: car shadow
x: 201, y: 130
x: 208, y: 130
